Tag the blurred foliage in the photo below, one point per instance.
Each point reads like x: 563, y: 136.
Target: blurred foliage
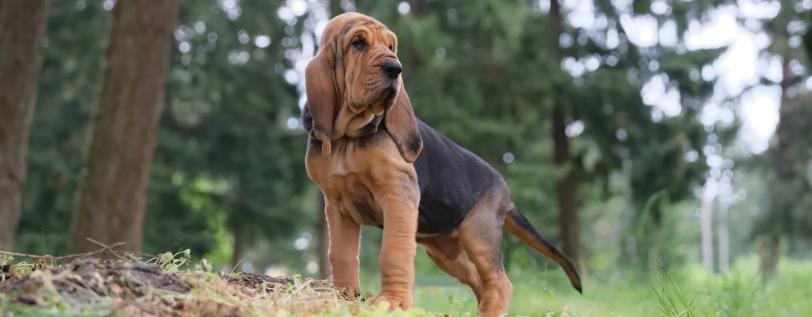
x: 789, y: 159
x: 789, y: 173
x: 228, y: 180
x: 786, y: 167
x: 226, y: 163
x: 491, y: 66
x: 225, y: 145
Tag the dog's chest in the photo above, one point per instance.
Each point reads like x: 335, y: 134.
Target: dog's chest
x: 355, y: 172
x: 348, y: 191
x: 362, y: 210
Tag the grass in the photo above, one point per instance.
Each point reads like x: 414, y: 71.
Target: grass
x: 686, y: 291
x: 672, y: 298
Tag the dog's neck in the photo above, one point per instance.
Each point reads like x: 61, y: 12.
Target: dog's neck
x: 369, y: 129
x: 357, y: 124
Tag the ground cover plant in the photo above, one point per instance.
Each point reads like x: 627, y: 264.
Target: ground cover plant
x: 165, y: 285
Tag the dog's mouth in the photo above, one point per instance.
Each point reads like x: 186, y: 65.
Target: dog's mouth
x: 380, y: 94
x: 389, y: 94
x: 371, y: 127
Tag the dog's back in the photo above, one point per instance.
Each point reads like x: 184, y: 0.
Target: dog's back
x: 451, y: 178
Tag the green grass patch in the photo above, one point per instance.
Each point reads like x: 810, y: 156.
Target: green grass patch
x: 685, y: 291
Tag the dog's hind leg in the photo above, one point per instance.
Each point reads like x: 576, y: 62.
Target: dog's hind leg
x: 447, y: 253
x: 481, y: 237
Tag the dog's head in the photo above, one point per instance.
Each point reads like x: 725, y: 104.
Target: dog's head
x: 354, y: 81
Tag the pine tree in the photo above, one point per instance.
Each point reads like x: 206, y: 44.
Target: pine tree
x: 786, y: 161
x: 22, y: 23
x: 112, y: 199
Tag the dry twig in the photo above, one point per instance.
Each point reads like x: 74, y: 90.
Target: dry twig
x: 54, y: 259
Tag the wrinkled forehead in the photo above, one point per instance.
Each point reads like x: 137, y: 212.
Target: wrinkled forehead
x: 352, y: 23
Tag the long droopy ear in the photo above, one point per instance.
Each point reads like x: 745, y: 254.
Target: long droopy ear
x: 322, y: 99
x: 401, y: 125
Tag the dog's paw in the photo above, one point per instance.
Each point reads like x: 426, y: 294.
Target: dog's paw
x: 395, y: 301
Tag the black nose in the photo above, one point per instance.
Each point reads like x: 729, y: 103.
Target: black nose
x: 392, y: 68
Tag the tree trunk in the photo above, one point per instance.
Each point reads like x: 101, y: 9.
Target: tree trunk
x: 706, y: 224
x: 769, y: 255
x: 418, y: 7
x: 770, y: 252
x: 566, y: 187
x: 22, y: 23
x: 724, y: 238
x: 113, y: 195
x: 238, y: 248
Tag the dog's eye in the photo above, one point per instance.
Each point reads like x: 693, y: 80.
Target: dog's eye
x: 359, y: 43
x: 391, y: 47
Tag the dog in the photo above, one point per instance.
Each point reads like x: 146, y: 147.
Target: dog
x: 377, y: 164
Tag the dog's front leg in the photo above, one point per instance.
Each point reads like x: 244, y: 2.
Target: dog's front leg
x: 398, y: 247
x: 343, y: 251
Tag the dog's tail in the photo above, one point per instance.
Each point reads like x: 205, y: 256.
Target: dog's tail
x: 518, y: 225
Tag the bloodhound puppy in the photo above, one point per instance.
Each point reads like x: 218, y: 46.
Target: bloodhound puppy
x: 376, y: 164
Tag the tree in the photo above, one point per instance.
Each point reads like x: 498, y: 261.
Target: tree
x: 565, y: 188
x: 629, y: 135
x: 71, y: 69
x: 786, y: 162
x: 22, y: 23
x: 200, y: 152
x: 584, y: 79
x: 229, y: 145
x: 113, y: 195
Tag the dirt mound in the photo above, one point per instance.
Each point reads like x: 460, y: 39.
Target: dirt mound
x: 92, y: 287
x: 257, y: 281
x: 167, y: 285
x: 93, y: 281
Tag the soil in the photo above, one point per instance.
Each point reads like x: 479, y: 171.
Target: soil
x: 124, y: 288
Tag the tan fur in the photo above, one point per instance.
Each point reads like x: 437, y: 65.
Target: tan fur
x: 480, y: 235
x: 448, y: 254
x: 370, y: 181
